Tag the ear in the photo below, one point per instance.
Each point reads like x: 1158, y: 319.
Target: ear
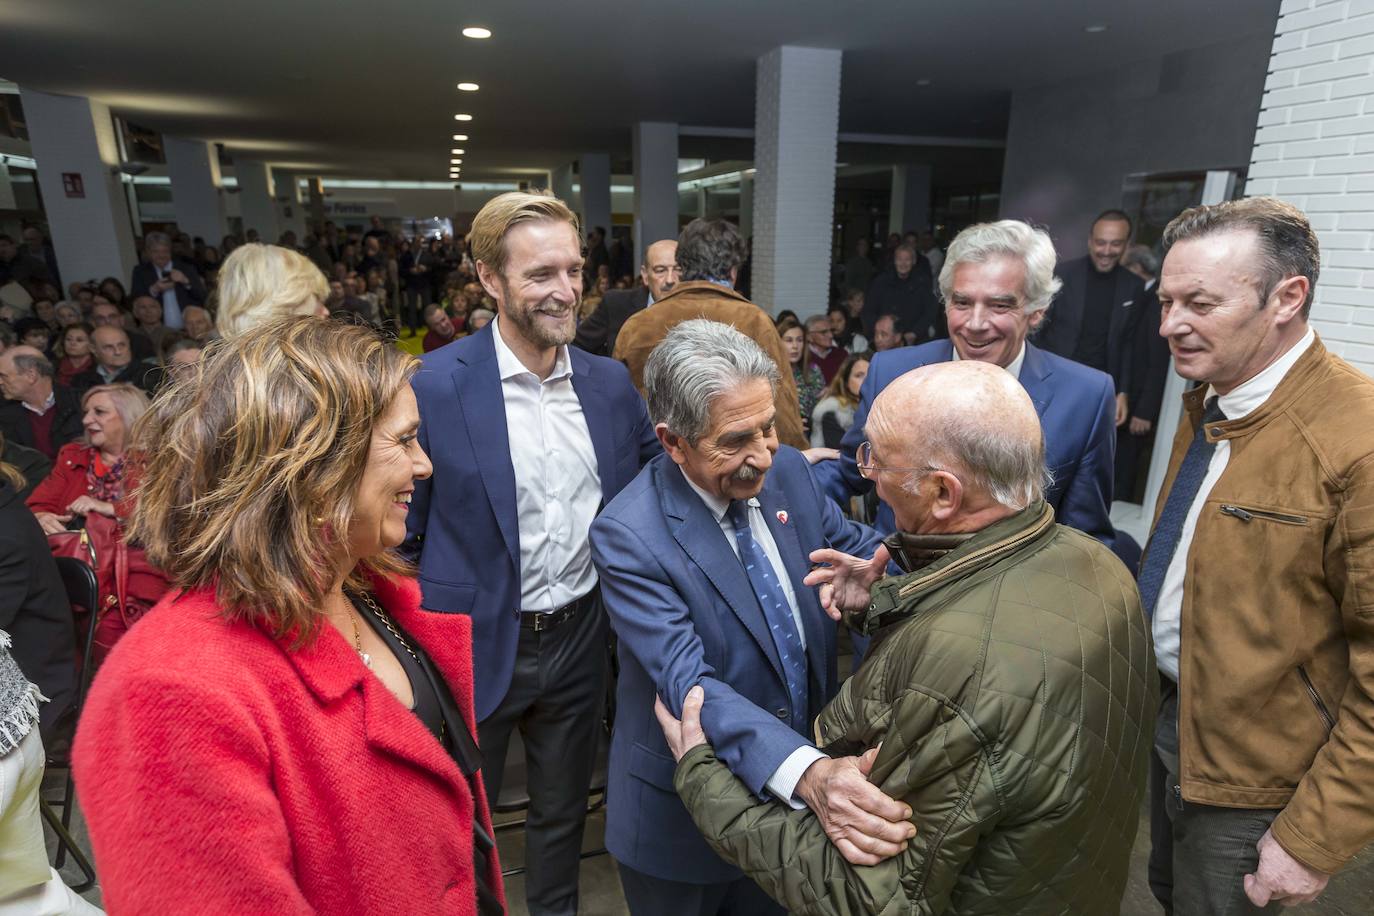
x: 734, y: 275
x: 949, y: 498
x: 1038, y: 318
x: 490, y: 279
x: 672, y: 443
x: 1288, y: 298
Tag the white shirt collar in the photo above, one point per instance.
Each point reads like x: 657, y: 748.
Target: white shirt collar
x: 509, y: 365
x: 47, y: 405
x: 718, y: 505
x: 1014, y: 368
x: 1247, y: 397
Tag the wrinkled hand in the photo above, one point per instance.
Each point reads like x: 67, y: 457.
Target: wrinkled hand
x: 814, y: 455
x: 84, y: 505
x: 1280, y: 878
x: 1140, y: 427
x: 1121, y: 408
x: 687, y: 734
x: 864, y: 824
x: 846, y: 581
x: 52, y: 524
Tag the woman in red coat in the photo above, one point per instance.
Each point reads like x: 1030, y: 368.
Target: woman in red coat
x: 287, y: 732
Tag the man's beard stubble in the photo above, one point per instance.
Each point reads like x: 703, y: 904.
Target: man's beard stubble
x: 534, y: 331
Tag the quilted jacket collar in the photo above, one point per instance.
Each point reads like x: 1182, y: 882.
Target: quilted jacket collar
x: 898, y: 598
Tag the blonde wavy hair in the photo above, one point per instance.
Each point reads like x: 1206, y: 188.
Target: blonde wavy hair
x: 251, y: 468
x: 258, y: 283
x: 487, y: 238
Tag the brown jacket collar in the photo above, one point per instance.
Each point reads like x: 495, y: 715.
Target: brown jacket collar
x: 1303, y: 375
x: 690, y: 289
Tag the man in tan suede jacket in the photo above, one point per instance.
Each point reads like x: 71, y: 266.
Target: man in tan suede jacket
x: 1259, y: 576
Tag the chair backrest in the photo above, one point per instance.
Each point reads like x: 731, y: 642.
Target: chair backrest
x: 83, y: 590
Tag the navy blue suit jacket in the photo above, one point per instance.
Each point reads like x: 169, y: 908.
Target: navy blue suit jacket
x: 1077, y: 409
x: 463, y: 526
x: 681, y: 603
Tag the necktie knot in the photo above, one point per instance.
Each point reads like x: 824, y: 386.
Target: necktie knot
x: 738, y: 513
x: 1212, y: 412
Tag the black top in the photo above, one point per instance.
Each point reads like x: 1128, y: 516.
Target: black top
x: 426, y: 706
x: 1098, y: 295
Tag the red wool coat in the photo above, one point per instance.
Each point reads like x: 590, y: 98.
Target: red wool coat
x: 222, y: 773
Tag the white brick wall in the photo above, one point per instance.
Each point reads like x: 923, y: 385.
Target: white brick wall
x: 796, y: 122
x: 1315, y: 148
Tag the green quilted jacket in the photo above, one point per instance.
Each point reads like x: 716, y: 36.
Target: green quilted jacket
x: 1012, y: 686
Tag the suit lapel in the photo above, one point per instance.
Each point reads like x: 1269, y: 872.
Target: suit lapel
x: 478, y: 386
x: 587, y: 384
x: 701, y: 538
x: 1035, y: 375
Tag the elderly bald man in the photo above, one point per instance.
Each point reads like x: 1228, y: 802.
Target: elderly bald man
x: 1009, y: 691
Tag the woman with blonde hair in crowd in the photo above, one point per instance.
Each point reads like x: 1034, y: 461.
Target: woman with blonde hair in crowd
x: 260, y: 283
x: 287, y: 732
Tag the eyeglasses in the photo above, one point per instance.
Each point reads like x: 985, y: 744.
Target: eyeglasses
x: 867, y: 469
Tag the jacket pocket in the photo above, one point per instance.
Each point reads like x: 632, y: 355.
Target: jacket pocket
x: 651, y: 767
x: 1250, y: 514
x: 1316, y: 698
x: 446, y: 597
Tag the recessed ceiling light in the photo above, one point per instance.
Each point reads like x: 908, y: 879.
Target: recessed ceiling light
x: 456, y: 151
x: 455, y: 162
x: 468, y: 87
x: 923, y: 82
x: 476, y: 31
x: 460, y: 137
x: 1094, y: 29
x: 462, y: 117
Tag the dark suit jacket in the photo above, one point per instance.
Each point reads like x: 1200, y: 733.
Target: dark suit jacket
x: 1064, y: 321
x: 1077, y: 413
x: 597, y: 334
x: 1149, y: 360
x: 34, y: 608
x: 686, y: 614
x: 145, y: 275
x: 66, y: 423
x: 463, y: 524
x: 136, y: 373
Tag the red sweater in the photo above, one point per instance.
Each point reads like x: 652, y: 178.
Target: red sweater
x: 223, y: 773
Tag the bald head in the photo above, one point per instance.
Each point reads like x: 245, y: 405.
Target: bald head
x: 111, y: 346
x: 659, y: 270
x: 25, y: 375
x: 970, y: 420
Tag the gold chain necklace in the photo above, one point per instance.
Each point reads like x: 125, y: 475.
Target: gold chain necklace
x: 358, y: 636
x: 386, y: 620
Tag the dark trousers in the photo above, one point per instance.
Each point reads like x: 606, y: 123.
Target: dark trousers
x: 556, y: 696
x: 1200, y: 853
x: 413, y: 302
x: 649, y: 896
x: 1132, y: 464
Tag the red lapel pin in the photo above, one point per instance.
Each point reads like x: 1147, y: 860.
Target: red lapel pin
x: 782, y: 516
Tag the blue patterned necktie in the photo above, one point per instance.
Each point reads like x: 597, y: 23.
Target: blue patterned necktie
x: 1164, y: 541
x: 776, y: 611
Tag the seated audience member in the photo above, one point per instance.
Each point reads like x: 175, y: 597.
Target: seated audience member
x: 805, y: 374
x: 114, y: 361
x: 905, y: 291
x: 321, y: 722
x: 28, y: 884
x: 834, y: 413
x: 200, y: 326
x: 74, y: 352
x: 65, y: 313
x: 37, y: 413
x: 45, y: 311
x: 105, y: 314
x: 709, y: 255
x: 822, y: 352
x: 33, y: 603
x: 885, y: 333
x: 178, y: 360
x: 148, y: 321
x: 1008, y: 657
x: 33, y: 332
x: 785, y: 315
x: 260, y: 283
x: 479, y: 319
x: 441, y: 330
x: 113, y: 291
x: 997, y: 281
x: 172, y: 281
x: 701, y: 560
x: 846, y: 331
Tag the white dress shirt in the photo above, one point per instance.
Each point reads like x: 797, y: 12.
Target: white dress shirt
x: 1014, y: 368
x: 1242, y: 401
x: 557, y: 482
x: 171, y: 307
x: 783, y: 782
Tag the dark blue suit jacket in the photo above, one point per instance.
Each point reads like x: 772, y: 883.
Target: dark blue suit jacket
x: 1077, y: 411
x: 684, y: 610
x: 463, y: 526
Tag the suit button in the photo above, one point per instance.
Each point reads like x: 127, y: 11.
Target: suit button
x: 781, y: 714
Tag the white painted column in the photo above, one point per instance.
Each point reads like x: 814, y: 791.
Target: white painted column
x: 316, y: 189
x: 595, y: 177
x: 561, y: 183
x: 256, y: 201
x: 910, y: 206
x: 655, y: 167
x: 290, y: 211
x: 197, y: 196
x: 74, y: 143
x: 746, y: 205
x: 796, y: 119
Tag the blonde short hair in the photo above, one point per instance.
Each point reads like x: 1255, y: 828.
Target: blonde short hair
x: 487, y: 238
x: 259, y: 283
x: 130, y: 402
x: 250, y: 468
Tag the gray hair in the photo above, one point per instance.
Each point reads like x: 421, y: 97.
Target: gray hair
x: 982, y: 241
x: 696, y: 363
x: 1010, y: 470
x: 709, y: 249
x: 1143, y: 255
x: 816, y: 321
x: 157, y: 238
x: 29, y: 362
